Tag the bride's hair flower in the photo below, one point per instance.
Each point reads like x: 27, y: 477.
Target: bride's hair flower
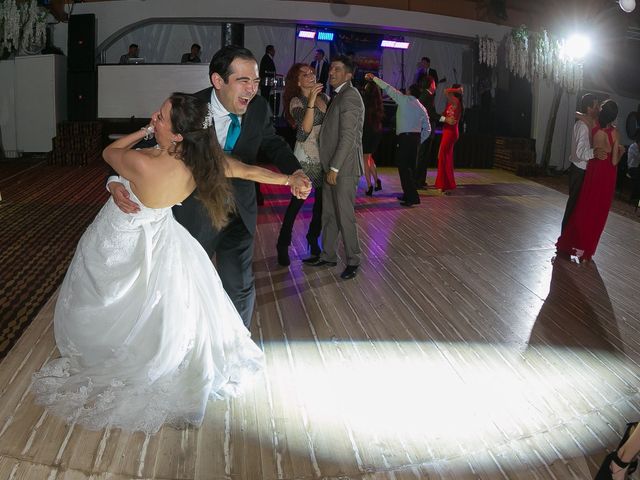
x: 208, y: 118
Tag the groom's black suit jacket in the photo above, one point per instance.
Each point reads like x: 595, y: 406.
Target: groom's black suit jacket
x: 257, y: 134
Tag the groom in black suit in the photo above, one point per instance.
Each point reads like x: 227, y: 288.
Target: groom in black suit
x: 243, y: 124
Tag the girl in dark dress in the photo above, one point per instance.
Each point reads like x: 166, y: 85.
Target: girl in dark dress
x: 373, y: 113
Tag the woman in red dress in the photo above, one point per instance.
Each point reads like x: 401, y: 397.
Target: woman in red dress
x: 581, y: 234
x: 445, y: 180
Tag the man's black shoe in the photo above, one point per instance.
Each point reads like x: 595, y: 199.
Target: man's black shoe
x: 400, y: 197
x: 321, y: 263
x: 350, y: 272
x: 311, y: 260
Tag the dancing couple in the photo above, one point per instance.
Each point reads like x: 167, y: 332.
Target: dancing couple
x: 592, y: 178
x: 147, y: 329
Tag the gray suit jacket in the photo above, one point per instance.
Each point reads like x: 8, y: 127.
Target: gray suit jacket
x: 340, y: 139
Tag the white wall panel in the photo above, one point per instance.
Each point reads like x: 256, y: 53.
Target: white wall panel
x: 139, y: 90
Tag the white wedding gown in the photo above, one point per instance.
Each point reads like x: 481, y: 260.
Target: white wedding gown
x: 145, y: 330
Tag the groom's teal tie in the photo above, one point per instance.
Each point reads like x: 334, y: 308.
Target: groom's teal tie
x: 233, y: 133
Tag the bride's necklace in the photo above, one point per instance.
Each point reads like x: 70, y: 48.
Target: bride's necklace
x: 159, y: 148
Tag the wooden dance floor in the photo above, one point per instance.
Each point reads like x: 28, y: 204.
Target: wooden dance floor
x: 461, y: 351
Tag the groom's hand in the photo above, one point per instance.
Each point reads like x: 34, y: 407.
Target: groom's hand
x: 599, y: 153
x: 121, y: 198
x: 300, y: 184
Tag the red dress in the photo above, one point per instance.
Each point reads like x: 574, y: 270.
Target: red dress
x: 445, y: 179
x: 581, y: 235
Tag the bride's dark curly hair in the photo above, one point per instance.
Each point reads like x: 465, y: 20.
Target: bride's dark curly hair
x: 201, y: 152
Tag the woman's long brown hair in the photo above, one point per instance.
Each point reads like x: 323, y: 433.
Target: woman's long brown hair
x: 373, y: 109
x: 291, y: 90
x: 201, y: 152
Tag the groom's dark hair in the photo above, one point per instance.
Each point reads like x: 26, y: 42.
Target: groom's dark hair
x: 221, y: 61
x: 587, y: 101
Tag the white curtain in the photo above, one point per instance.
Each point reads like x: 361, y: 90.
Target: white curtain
x: 166, y: 42
x: 257, y: 37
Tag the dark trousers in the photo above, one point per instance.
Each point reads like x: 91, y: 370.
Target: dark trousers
x: 315, y: 226
x: 426, y: 152
x: 576, y: 177
x: 234, y: 257
x: 406, y: 152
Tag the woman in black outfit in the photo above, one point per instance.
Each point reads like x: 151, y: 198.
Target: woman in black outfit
x: 373, y: 113
x: 304, y: 108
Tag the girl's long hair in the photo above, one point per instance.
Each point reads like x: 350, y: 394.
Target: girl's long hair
x: 373, y: 109
x: 201, y: 152
x: 291, y: 90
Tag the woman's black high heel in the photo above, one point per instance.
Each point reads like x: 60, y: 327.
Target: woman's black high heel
x: 605, y: 469
x: 378, y: 185
x: 633, y: 465
x: 369, y: 191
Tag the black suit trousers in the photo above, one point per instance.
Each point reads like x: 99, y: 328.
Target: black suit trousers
x: 426, y: 152
x: 406, y: 152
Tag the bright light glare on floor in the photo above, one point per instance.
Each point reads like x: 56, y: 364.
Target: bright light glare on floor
x: 576, y: 47
x: 460, y: 397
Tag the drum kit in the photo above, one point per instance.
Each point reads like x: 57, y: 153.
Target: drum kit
x: 276, y: 82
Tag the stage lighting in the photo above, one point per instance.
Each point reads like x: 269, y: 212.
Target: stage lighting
x: 325, y: 36
x: 576, y: 47
x: 309, y: 34
x: 394, y: 44
x: 627, y: 5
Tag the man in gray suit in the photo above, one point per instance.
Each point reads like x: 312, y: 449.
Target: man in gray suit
x: 340, y: 144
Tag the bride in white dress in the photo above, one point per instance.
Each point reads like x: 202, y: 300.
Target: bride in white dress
x: 145, y: 330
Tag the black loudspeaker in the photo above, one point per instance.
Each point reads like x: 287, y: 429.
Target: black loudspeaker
x: 466, y: 76
x: 82, y: 96
x: 81, y: 45
x: 233, y: 34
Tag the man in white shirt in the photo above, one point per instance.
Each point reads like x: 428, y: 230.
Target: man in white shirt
x: 581, y: 151
x: 633, y: 156
x: 412, y: 128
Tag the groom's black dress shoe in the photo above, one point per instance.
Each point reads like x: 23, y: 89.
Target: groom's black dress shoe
x: 311, y: 260
x: 321, y: 263
x: 349, y: 272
